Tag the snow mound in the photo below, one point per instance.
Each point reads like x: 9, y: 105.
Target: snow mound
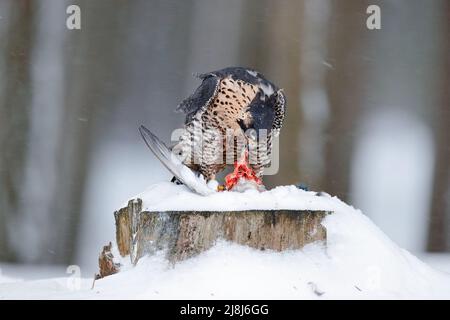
x: 359, y: 261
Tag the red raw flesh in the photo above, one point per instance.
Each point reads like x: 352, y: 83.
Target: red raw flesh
x: 241, y: 170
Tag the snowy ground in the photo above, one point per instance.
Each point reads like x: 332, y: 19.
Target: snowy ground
x: 359, y: 261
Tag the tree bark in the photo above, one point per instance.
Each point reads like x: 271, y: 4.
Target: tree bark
x: 106, y: 263
x: 184, y: 234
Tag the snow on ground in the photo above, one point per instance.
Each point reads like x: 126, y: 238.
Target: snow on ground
x: 16, y: 272
x: 439, y: 261
x: 167, y: 196
x: 359, y: 261
x: 5, y: 279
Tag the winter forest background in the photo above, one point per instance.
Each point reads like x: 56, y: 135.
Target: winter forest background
x: 368, y: 111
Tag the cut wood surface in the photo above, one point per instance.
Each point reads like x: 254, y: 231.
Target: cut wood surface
x: 183, y: 234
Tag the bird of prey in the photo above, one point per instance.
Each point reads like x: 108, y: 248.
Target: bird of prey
x: 231, y: 118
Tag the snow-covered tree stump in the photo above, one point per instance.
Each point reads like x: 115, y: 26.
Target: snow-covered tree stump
x: 183, y: 234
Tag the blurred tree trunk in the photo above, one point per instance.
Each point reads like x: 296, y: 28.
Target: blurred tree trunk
x: 345, y: 84
x: 439, y: 229
x: 15, y: 45
x: 91, y: 56
x: 35, y: 237
x: 135, y: 72
x: 314, y: 98
x: 272, y: 45
x: 49, y: 109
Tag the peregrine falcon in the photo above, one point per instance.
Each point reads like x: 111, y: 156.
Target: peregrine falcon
x: 231, y: 118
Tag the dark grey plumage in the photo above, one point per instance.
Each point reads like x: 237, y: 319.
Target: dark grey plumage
x: 238, y: 100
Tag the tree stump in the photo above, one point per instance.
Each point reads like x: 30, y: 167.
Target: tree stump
x: 183, y: 234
